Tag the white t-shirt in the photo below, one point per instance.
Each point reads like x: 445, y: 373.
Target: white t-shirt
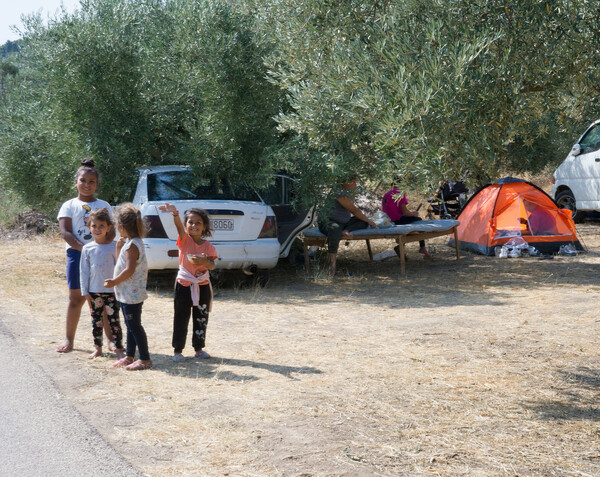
x: 79, y: 211
x: 97, y: 264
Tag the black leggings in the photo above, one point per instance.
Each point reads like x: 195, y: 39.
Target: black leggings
x: 184, y: 307
x: 409, y: 219
x: 334, y: 230
x: 136, y: 335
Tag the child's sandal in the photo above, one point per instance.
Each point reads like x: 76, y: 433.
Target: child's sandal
x: 139, y: 365
x: 126, y: 361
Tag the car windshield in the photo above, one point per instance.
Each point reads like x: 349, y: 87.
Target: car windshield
x: 186, y: 185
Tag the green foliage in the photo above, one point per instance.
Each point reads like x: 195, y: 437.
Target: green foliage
x: 11, y: 206
x: 232, y: 106
x: 36, y: 150
x: 423, y: 89
x: 9, y: 48
x: 411, y: 91
x: 132, y: 83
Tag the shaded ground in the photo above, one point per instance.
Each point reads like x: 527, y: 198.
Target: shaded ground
x: 475, y: 367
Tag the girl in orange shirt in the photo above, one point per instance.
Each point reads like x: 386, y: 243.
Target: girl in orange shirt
x: 193, y: 291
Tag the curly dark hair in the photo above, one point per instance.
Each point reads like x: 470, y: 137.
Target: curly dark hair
x: 101, y: 214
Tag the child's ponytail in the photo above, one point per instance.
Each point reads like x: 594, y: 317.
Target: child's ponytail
x: 130, y: 218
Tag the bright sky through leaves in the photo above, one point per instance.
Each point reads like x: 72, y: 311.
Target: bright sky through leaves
x: 12, y: 11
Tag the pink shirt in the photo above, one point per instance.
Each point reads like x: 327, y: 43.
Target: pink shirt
x: 188, y: 246
x: 392, y: 207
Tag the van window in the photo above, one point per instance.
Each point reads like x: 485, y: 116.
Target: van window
x: 591, y: 141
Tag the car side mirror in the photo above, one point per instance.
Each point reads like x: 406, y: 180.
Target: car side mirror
x: 576, y: 150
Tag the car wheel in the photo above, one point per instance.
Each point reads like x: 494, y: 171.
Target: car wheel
x: 258, y: 279
x: 263, y: 277
x: 566, y: 200
x: 217, y: 277
x: 296, y: 255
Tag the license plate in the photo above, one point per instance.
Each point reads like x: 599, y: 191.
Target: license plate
x: 222, y: 224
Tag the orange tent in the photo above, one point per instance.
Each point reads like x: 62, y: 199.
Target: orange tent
x: 514, y: 208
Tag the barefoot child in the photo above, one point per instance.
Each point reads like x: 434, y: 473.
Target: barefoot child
x: 97, y: 263
x: 193, y: 291
x: 72, y: 219
x: 130, y: 277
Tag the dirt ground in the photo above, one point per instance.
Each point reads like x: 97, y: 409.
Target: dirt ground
x: 476, y: 367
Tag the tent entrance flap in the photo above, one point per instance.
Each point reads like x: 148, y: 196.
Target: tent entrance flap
x: 543, y: 220
x: 522, y: 217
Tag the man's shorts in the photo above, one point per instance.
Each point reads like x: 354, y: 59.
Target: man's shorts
x: 73, y: 259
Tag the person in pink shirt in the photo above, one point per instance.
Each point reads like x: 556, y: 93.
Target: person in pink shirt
x: 395, y: 205
x: 193, y: 291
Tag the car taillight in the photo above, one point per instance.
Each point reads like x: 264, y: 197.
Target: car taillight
x: 155, y: 227
x: 269, y: 228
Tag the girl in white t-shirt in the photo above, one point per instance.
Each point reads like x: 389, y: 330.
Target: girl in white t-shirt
x: 72, y: 220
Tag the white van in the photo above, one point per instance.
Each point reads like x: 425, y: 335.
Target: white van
x: 576, y: 182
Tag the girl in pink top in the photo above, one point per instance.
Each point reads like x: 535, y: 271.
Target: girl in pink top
x: 193, y: 291
x: 394, y: 204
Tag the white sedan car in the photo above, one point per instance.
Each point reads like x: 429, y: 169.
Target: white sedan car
x: 248, y: 233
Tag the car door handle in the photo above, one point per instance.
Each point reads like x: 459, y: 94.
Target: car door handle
x: 597, y: 159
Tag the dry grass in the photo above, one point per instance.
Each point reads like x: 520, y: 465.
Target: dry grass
x: 478, y: 367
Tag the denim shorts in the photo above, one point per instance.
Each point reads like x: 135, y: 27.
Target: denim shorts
x: 73, y: 259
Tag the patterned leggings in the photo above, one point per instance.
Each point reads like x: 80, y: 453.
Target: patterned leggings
x: 108, y: 302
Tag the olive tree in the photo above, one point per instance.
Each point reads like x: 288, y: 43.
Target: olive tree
x: 135, y: 83
x: 416, y: 90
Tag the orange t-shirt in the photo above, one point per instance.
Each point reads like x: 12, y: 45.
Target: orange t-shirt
x: 187, y: 246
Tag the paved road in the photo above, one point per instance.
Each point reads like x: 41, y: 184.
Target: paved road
x: 40, y: 433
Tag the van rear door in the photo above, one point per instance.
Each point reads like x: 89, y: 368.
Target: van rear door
x: 290, y: 222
